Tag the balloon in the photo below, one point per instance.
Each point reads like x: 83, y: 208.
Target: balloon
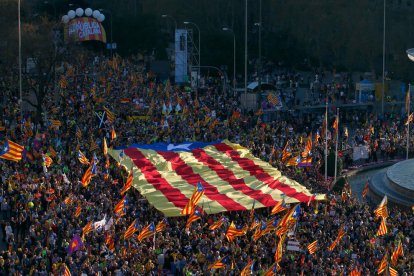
x: 30, y: 204
x: 88, y: 11
x: 96, y: 14
x: 101, y: 17
x: 65, y: 19
x: 71, y: 14
x: 79, y: 12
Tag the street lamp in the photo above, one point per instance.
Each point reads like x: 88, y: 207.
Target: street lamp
x: 110, y: 14
x: 199, y: 50
x: 383, y: 61
x: 410, y: 54
x: 53, y: 5
x: 245, y: 54
x: 173, y: 19
x: 234, y: 57
x: 20, y: 62
x: 259, y: 66
x: 221, y: 72
x: 259, y: 69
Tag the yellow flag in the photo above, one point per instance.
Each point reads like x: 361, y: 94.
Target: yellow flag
x: 113, y: 134
x: 105, y: 147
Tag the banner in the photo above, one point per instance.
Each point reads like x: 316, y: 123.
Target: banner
x: 84, y: 29
x: 135, y: 118
x: 360, y: 152
x: 293, y: 246
x: 233, y: 179
x: 272, y: 102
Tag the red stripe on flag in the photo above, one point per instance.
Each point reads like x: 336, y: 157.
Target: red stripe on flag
x: 12, y: 154
x: 14, y: 146
x: 154, y: 178
x: 228, y: 176
x: 10, y: 158
x: 187, y: 173
x: 260, y: 174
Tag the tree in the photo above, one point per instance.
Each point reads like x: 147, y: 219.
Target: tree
x: 41, y: 43
x: 331, y: 164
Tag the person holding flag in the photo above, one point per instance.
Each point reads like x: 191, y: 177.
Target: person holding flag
x: 279, y: 207
x: 217, y: 224
x: 162, y: 225
x: 312, y: 247
x: 234, y: 231
x: 382, y: 210
x: 131, y: 229
x: 195, y: 198
x: 86, y: 179
x: 128, y: 183
x: 292, y: 214
x: 75, y: 244
x: 82, y: 158
x: 220, y: 263
x: 147, y: 232
x: 341, y: 234
x: 196, y: 215
x: 11, y: 151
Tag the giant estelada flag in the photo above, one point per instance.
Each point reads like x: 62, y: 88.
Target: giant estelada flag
x: 232, y: 178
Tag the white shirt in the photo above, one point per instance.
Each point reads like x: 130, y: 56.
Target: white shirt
x: 9, y: 230
x: 161, y: 259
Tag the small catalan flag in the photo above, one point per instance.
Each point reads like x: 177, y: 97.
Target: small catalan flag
x: 312, y: 247
x: 11, y: 151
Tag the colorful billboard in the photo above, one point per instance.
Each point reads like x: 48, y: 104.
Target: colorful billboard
x: 84, y: 29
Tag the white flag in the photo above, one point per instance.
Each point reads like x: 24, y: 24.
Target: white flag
x: 109, y: 224
x: 100, y: 223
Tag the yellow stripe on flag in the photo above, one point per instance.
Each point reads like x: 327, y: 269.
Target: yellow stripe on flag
x: 11, y: 151
x: 177, y: 181
x: 250, y: 180
x: 276, y: 174
x: 230, y: 175
x: 213, y: 179
x: 154, y: 197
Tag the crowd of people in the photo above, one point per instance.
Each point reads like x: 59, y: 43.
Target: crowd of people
x: 39, y: 221
x: 315, y: 87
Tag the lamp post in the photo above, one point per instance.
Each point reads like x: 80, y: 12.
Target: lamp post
x: 383, y: 61
x: 259, y: 66
x: 20, y: 62
x: 410, y: 54
x: 110, y: 14
x: 173, y: 36
x: 215, y: 68
x: 259, y: 69
x: 199, y: 50
x: 234, y: 57
x: 54, y: 7
x: 245, y: 54
x: 408, y: 120
x: 172, y: 18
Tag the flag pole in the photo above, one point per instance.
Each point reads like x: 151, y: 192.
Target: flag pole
x: 408, y: 121
x: 326, y: 138
x: 336, y: 143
